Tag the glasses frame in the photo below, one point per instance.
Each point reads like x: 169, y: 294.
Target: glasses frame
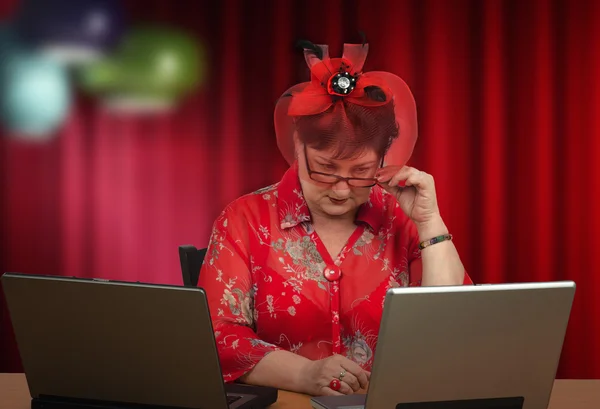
x: 337, y: 177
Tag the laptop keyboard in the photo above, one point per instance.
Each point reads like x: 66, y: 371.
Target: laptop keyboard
x: 232, y: 398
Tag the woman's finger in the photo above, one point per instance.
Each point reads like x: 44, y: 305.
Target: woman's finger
x: 418, y: 179
x: 351, y: 380
x: 346, y: 389
x: 402, y: 176
x: 355, y: 370
x: 385, y: 174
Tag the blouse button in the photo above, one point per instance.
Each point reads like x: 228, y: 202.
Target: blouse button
x: 332, y: 274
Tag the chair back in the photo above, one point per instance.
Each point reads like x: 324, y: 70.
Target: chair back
x: 191, y: 260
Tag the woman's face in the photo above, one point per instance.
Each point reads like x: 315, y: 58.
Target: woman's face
x: 339, y: 198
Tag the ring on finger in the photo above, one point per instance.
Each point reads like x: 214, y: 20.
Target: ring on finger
x: 335, y: 384
x: 342, y: 374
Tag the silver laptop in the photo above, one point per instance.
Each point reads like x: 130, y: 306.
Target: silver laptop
x: 97, y: 343
x: 468, y: 347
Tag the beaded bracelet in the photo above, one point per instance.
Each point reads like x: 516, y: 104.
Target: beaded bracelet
x: 434, y: 240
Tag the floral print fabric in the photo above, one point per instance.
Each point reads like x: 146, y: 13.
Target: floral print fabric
x: 271, y: 284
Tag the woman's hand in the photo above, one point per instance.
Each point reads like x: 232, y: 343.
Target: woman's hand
x: 413, y: 189
x: 317, y: 376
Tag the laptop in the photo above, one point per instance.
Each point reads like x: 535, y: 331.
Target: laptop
x: 108, y: 344
x: 466, y: 347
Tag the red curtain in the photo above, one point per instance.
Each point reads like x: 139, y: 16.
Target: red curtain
x: 507, y: 93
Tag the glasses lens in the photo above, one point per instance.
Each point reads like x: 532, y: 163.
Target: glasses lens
x: 362, y: 183
x: 319, y: 177
x: 324, y: 178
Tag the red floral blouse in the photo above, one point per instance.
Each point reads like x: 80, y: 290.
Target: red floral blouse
x: 271, y: 284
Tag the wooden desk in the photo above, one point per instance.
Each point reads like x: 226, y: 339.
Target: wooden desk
x: 567, y: 394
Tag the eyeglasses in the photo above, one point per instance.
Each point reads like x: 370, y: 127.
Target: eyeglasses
x: 333, y: 179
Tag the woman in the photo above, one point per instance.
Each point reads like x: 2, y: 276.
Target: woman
x: 296, y: 273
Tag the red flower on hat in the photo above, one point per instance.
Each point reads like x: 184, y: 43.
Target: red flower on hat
x: 335, y: 78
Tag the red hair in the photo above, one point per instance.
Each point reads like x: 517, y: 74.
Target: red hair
x: 351, y: 129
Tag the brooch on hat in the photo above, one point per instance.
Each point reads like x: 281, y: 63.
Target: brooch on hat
x: 341, y: 83
x: 335, y: 79
x: 337, y: 76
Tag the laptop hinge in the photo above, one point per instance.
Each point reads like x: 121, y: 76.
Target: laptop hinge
x: 57, y: 402
x: 491, y: 403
